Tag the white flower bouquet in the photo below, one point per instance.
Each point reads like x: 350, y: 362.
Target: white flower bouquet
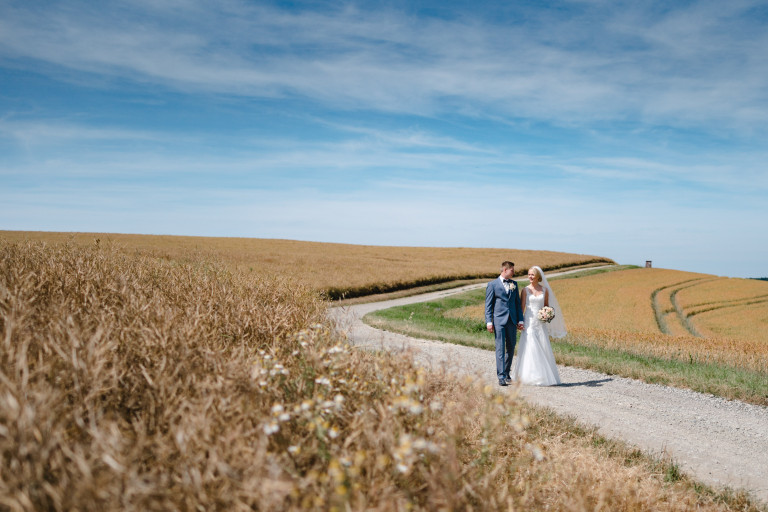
x: 546, y: 314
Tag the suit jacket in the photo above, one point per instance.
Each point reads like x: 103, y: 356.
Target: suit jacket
x: 502, y: 307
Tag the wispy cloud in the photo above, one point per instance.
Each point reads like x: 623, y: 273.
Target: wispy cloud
x: 674, y: 65
x: 360, y: 156
x: 38, y: 133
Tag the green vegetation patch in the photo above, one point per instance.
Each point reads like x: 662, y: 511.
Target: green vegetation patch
x: 717, y: 379
x: 427, y: 319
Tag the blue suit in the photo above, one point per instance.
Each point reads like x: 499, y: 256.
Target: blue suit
x: 504, y: 311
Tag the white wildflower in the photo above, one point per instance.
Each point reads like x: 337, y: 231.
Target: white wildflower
x: 416, y: 408
x: 536, y: 451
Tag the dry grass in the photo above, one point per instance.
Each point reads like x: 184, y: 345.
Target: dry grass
x: 132, y: 383
x: 125, y: 382
x: 340, y: 270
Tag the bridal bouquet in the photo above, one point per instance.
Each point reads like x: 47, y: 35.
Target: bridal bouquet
x: 546, y: 314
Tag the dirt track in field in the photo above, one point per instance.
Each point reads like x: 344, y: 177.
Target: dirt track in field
x: 719, y: 442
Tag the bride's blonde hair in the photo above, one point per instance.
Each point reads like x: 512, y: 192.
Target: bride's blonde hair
x: 537, y: 273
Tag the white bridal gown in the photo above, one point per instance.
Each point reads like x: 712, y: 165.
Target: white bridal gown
x: 535, y: 362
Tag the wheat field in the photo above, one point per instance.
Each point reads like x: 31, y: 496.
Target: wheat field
x: 728, y: 307
x: 339, y: 270
x: 672, y: 314
x: 130, y: 381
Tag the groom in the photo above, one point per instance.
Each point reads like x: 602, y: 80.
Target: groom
x: 502, y: 314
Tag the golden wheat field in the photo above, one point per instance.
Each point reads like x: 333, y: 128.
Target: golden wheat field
x: 134, y: 382
x: 340, y: 270
x: 671, y: 313
x: 727, y: 307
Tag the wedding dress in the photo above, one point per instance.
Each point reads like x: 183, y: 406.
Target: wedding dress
x: 535, y: 362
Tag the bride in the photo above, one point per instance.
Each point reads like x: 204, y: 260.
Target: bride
x: 535, y: 362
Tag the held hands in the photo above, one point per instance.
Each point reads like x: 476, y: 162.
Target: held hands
x: 490, y: 327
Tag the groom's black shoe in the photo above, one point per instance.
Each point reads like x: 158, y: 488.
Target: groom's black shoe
x: 503, y: 382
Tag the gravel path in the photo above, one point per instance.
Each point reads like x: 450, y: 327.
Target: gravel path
x: 719, y: 442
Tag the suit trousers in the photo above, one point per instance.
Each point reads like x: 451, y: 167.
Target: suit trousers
x: 506, y: 339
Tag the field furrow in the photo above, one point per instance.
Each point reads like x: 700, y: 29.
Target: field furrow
x: 673, y: 325
x: 664, y: 301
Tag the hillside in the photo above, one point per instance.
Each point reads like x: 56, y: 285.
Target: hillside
x: 337, y: 269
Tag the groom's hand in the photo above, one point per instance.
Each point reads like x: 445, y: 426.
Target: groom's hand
x: 520, y: 327
x: 489, y: 327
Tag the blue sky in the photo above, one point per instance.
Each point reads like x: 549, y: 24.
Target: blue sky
x: 629, y: 129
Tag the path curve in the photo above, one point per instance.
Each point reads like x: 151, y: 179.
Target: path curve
x: 717, y: 441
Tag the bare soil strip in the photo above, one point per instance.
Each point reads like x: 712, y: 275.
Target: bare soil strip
x: 717, y: 441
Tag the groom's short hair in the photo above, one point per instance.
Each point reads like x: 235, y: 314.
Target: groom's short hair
x: 507, y: 264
